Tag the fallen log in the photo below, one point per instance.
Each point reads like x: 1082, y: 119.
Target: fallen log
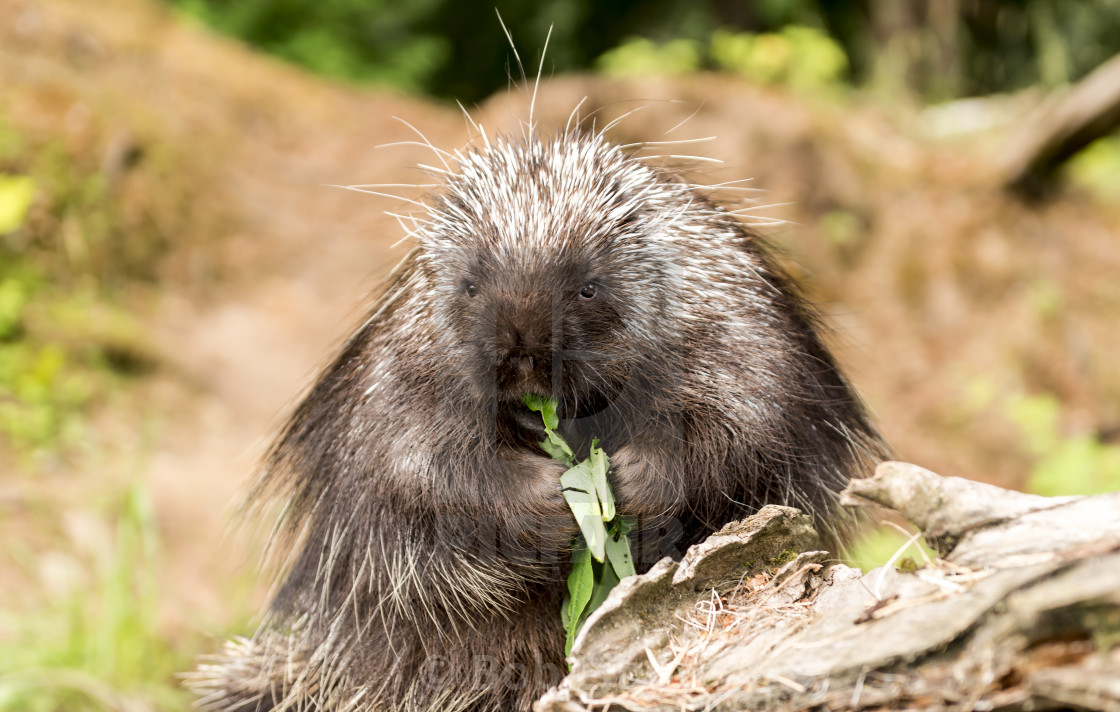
x: 1067, y: 122
x: 1021, y: 610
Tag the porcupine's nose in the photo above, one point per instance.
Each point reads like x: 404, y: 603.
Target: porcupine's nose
x: 524, y: 338
x: 519, y: 350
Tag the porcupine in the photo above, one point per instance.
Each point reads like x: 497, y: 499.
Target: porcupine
x: 427, y: 528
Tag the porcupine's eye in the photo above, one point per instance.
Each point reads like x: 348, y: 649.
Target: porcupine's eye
x: 588, y: 291
x: 471, y: 289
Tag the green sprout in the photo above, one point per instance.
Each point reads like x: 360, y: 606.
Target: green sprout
x: 601, y: 551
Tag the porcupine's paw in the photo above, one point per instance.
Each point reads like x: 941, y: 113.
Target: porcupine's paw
x: 642, y: 482
x: 538, y: 516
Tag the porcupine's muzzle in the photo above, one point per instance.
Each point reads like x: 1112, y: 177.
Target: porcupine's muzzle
x: 523, y: 347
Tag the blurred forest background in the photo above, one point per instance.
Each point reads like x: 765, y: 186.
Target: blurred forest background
x: 173, y: 266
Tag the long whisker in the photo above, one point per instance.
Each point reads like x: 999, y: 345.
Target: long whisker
x: 643, y: 144
x: 439, y: 152
x: 575, y: 111
x: 512, y: 46
x: 686, y: 119
x: 537, y: 84
x: 417, y: 203
x: 469, y: 118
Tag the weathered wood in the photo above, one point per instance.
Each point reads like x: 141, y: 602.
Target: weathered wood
x: 1023, y: 612
x: 1066, y: 123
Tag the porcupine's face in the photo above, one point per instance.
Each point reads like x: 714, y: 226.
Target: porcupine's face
x: 540, y: 256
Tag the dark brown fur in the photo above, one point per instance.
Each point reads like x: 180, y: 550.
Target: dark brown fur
x: 428, y: 531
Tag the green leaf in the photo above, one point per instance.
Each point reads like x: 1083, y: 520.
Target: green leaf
x: 579, y: 492
x: 606, y: 579
x: 618, y: 549
x: 553, y: 444
x: 599, y: 466
x: 557, y: 449
x: 545, y: 406
x: 581, y: 584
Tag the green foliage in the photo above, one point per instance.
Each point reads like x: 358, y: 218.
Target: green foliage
x: 587, y: 505
x: 1064, y: 41
x: 797, y: 56
x: 879, y: 546
x: 16, y: 194
x: 1064, y: 464
x: 447, y: 48
x: 801, y: 57
x: 93, y: 641
x: 61, y: 352
x: 553, y: 444
x: 457, y: 49
x: 642, y: 56
x: 601, y: 553
x: 363, y: 40
x: 41, y: 385
x: 63, y: 346
x: 1097, y: 166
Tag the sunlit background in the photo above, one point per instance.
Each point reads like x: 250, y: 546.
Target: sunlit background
x: 173, y: 264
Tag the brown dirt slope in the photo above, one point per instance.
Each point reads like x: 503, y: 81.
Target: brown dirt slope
x: 242, y: 317
x: 934, y: 280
